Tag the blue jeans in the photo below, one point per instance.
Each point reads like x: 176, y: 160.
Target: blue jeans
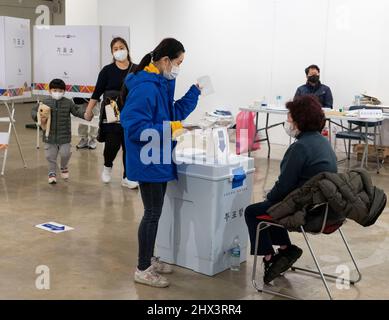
x: 268, y: 237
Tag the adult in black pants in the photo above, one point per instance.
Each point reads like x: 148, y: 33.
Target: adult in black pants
x: 310, y: 155
x: 109, y: 85
x: 151, y: 117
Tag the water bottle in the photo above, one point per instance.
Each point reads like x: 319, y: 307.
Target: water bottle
x: 264, y: 103
x: 357, y: 100
x: 278, y: 101
x: 235, y: 255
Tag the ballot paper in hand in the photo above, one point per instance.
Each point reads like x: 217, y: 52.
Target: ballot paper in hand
x: 206, y: 86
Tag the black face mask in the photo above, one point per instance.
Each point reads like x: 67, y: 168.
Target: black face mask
x: 314, y: 79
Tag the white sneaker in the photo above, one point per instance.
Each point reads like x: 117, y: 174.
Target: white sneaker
x: 106, y: 175
x: 160, y: 267
x: 82, y: 144
x: 129, y: 184
x: 150, y: 278
x: 52, y: 178
x: 65, y: 174
x: 92, y: 144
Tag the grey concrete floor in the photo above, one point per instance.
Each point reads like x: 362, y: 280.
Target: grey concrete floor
x: 97, y: 259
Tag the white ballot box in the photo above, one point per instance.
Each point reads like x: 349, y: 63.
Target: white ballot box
x: 203, y: 213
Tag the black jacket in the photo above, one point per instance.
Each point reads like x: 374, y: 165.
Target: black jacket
x: 310, y: 155
x: 320, y: 90
x: 349, y: 195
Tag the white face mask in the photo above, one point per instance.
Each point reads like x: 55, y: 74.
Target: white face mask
x: 173, y: 73
x: 120, y: 55
x: 290, y: 131
x: 57, y: 95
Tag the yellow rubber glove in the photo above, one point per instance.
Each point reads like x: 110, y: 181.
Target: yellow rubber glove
x: 177, y: 129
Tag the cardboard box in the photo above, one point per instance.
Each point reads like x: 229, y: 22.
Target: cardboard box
x: 383, y: 152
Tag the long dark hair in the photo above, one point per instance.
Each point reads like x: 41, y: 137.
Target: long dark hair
x: 168, y: 47
x: 119, y: 39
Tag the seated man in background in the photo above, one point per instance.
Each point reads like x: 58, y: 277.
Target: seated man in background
x: 315, y: 87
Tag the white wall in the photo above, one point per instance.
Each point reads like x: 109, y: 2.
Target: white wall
x: 356, y: 48
x: 81, y: 12
x: 139, y: 15
x: 256, y: 48
x: 224, y: 39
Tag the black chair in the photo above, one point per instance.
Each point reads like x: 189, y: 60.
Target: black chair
x: 355, y: 133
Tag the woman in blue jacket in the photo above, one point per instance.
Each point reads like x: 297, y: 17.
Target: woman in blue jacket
x: 150, y: 118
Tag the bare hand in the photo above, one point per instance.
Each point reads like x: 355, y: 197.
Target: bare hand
x: 88, y: 115
x: 199, y: 87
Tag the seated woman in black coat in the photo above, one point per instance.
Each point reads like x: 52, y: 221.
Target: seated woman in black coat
x: 308, y: 156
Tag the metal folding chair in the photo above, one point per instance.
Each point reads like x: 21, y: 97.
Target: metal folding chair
x: 365, y: 137
x: 266, y: 289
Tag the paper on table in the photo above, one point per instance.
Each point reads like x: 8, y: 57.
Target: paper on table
x: 192, y: 127
x: 206, y: 85
x: 189, y: 125
x: 275, y: 107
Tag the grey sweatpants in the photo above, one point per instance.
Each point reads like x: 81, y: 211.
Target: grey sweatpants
x: 52, y: 151
x: 93, y: 131
x: 83, y: 131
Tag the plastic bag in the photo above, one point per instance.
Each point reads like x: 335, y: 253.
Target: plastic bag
x: 112, y: 112
x: 246, y: 132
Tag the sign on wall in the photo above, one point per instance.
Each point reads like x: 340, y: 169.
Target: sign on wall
x: 15, y: 58
x: 71, y: 53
